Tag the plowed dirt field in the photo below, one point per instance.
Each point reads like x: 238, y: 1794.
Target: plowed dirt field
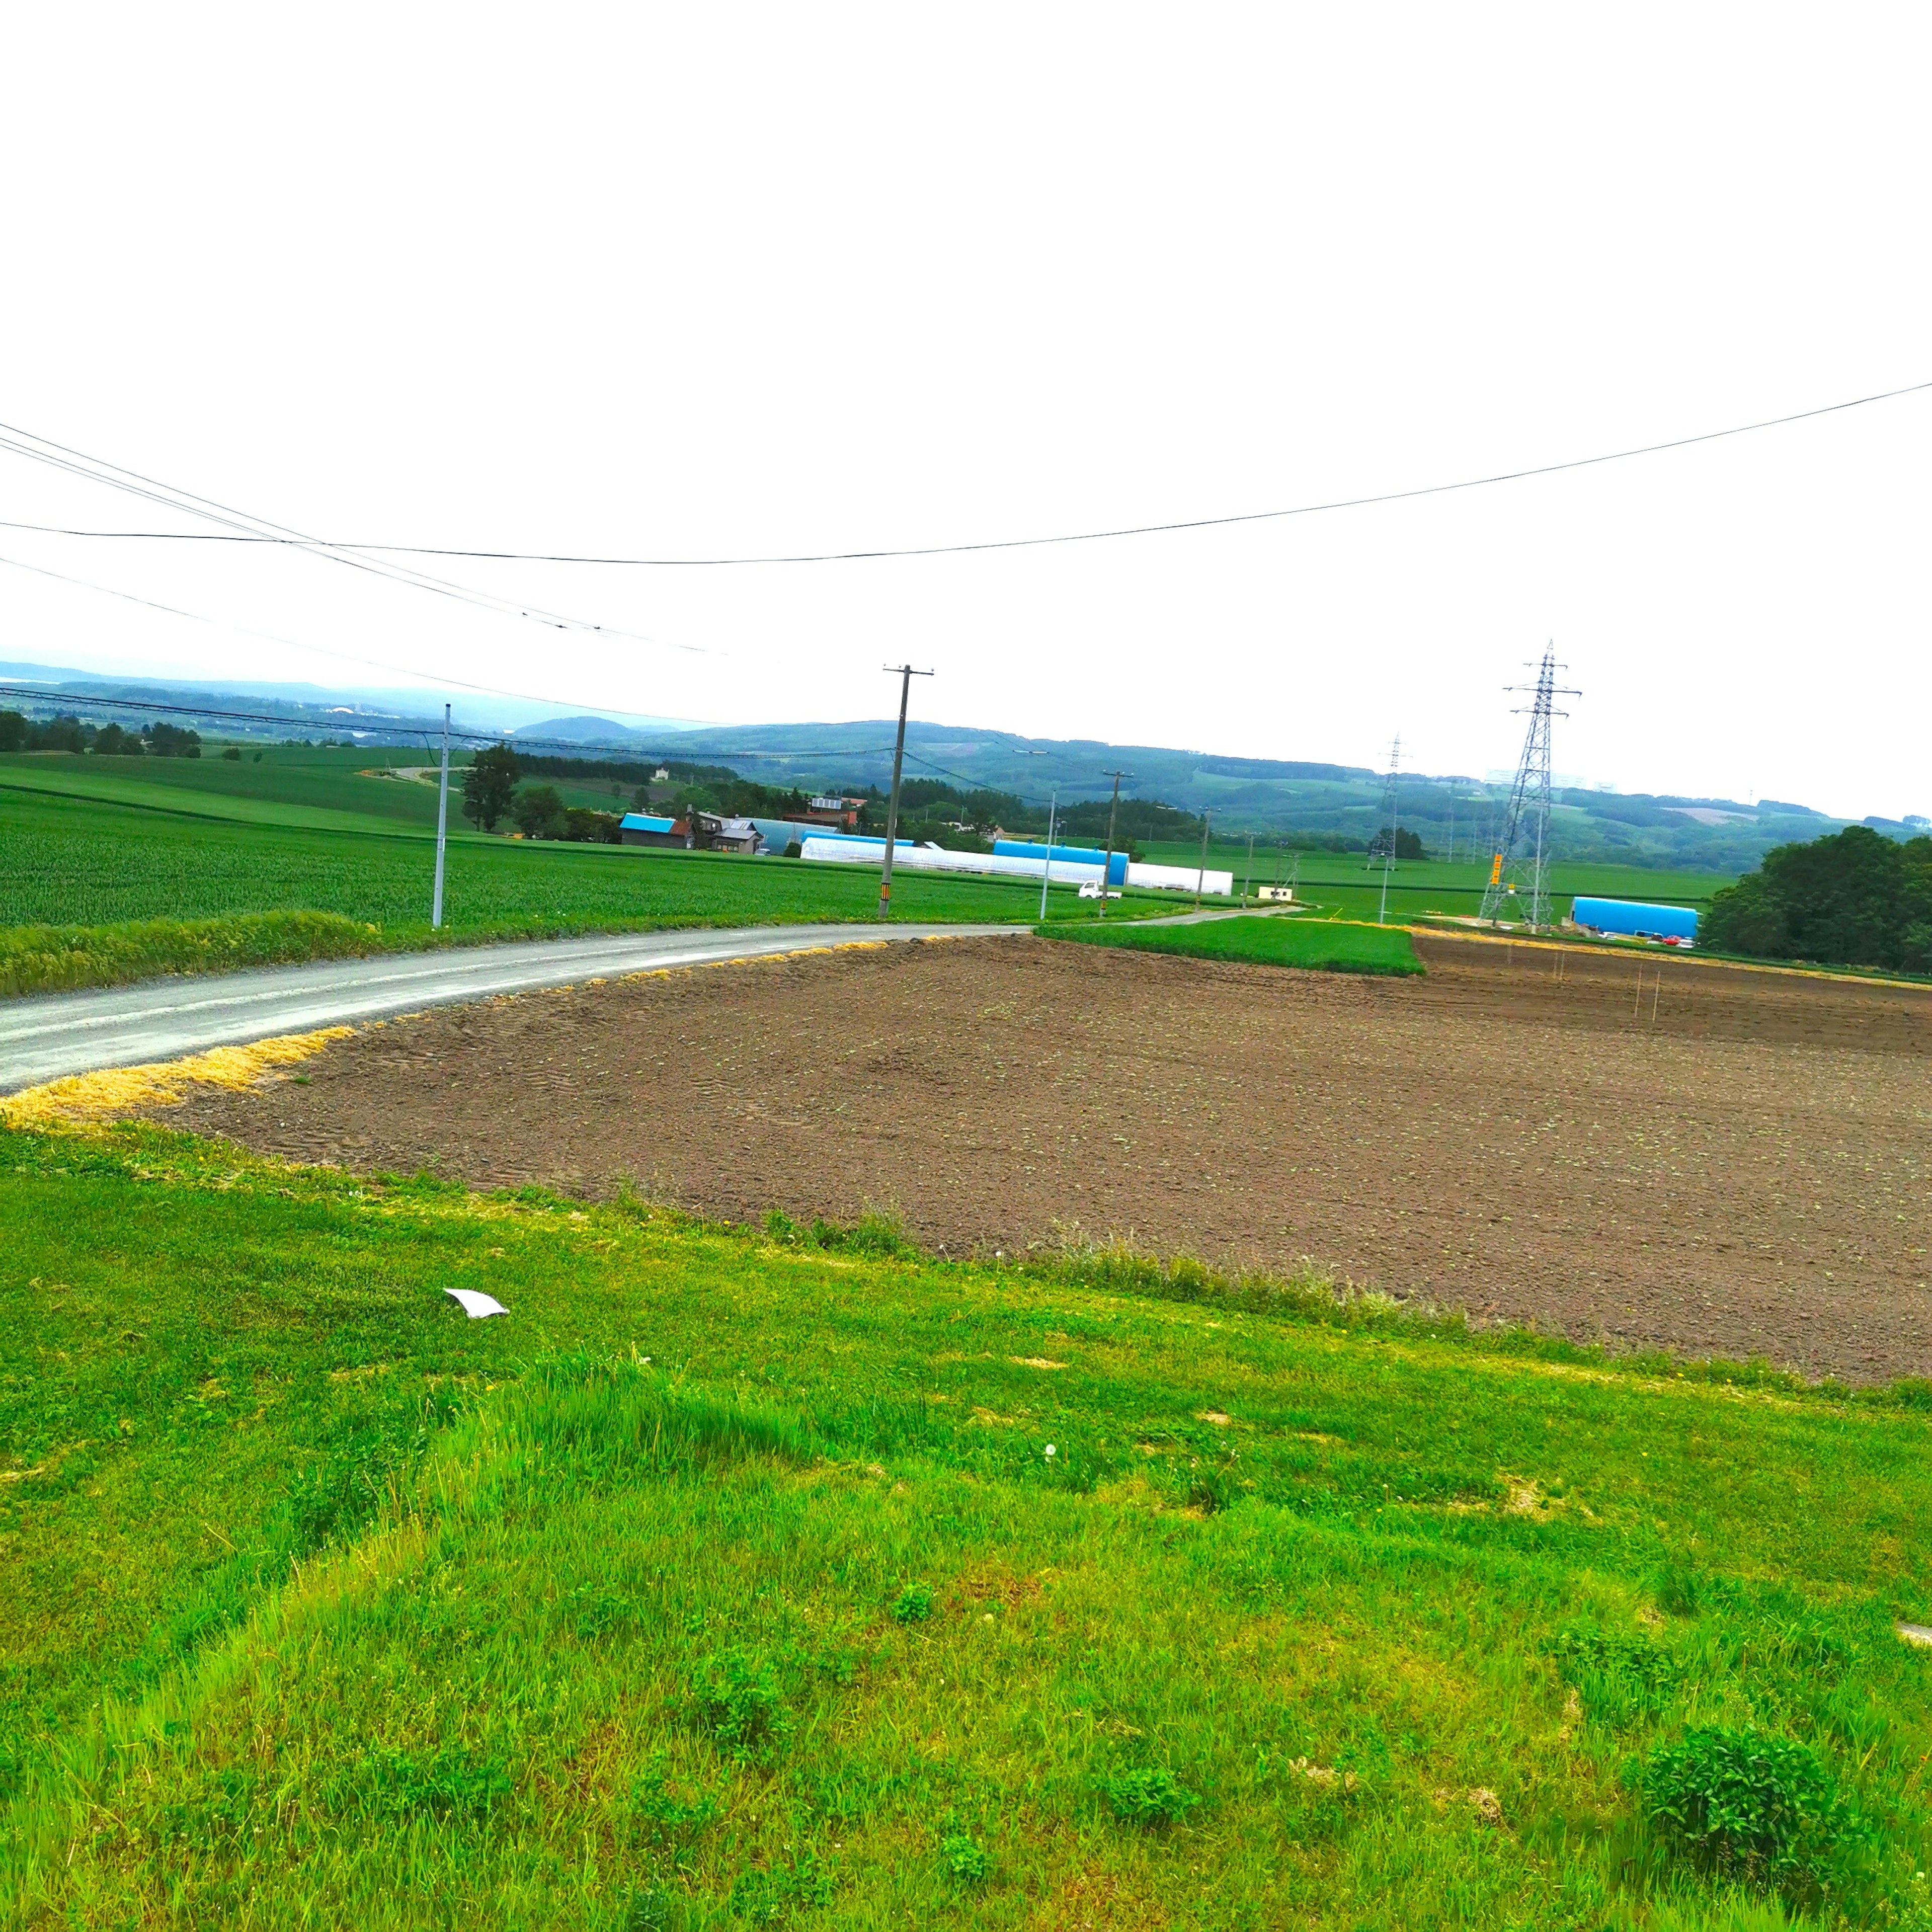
x: 1668, y: 1153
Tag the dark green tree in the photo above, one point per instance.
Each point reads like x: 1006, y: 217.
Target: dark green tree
x: 1853, y: 897
x: 538, y: 811
x: 489, y: 786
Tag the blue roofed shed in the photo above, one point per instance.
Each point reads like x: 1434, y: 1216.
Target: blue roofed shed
x: 640, y: 828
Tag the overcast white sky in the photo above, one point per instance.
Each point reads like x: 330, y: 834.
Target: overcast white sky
x: 667, y: 281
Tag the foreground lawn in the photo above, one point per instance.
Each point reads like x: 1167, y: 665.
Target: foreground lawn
x: 1266, y: 939
x: 728, y: 1580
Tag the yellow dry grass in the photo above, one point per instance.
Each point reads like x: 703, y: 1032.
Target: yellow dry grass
x: 87, y: 1096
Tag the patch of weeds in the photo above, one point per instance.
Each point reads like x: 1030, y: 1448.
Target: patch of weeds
x: 1743, y: 1805
x: 591, y: 1612
x: 668, y: 1818
x: 965, y: 1859
x: 770, y: 1894
x: 647, y: 1908
x: 1150, y: 1796
x: 874, y: 1234
x: 1213, y: 1486
x: 1680, y: 1591
x: 1622, y: 1677
x: 914, y: 1604
x: 738, y: 1701
x: 840, y: 1662
x: 452, y: 1782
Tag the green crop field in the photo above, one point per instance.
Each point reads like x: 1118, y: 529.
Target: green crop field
x: 1264, y: 939
x: 353, y: 790
x: 77, y: 862
x: 742, y: 1578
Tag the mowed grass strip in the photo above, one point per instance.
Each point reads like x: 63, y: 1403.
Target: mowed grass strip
x: 1264, y: 939
x: 728, y: 1580
x: 58, y: 959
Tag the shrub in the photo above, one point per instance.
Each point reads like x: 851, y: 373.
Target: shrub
x: 1742, y: 1805
x: 914, y: 1605
x: 1151, y: 1797
x: 965, y: 1859
x: 738, y: 1701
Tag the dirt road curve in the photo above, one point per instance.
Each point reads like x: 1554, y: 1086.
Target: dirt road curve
x: 1720, y: 1161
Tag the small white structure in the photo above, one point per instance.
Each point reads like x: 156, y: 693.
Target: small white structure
x: 1010, y: 864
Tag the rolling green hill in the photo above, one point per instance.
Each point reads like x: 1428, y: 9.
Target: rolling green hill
x: 1307, y: 801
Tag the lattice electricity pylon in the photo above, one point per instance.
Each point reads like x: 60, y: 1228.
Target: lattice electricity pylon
x: 1384, y: 836
x: 1519, y: 871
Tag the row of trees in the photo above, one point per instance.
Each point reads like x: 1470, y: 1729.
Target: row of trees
x: 491, y: 795
x: 21, y: 733
x: 1853, y: 897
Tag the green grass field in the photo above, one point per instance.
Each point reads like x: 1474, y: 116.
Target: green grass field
x: 1339, y: 881
x: 1264, y: 939
x: 728, y: 1581
x: 74, y: 862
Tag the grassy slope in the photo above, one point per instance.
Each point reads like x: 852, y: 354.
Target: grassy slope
x: 74, y: 862
x: 516, y: 1543
x: 1266, y: 939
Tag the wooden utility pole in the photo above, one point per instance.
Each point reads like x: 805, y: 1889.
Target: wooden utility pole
x: 905, y: 674
x: 1200, y: 877
x: 1113, y: 813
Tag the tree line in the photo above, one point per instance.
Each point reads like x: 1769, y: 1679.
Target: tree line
x: 1853, y: 897
x: 68, y: 733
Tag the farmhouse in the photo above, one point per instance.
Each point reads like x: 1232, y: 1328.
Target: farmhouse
x: 696, y: 832
x: 640, y: 828
x: 841, y: 814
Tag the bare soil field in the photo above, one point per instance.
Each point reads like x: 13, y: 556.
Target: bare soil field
x: 1657, y: 1152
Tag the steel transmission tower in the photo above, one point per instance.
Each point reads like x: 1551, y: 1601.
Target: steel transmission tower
x: 1385, y: 835
x: 1519, y: 871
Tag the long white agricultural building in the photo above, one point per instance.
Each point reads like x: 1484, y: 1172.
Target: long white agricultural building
x: 1068, y: 871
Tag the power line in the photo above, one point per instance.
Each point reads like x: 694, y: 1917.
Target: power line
x: 337, y: 550
x: 243, y: 527
x: 317, y: 650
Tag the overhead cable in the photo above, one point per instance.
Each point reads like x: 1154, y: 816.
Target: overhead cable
x: 339, y: 549
x: 242, y: 527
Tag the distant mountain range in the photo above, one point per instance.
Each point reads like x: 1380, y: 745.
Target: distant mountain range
x: 1273, y: 798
